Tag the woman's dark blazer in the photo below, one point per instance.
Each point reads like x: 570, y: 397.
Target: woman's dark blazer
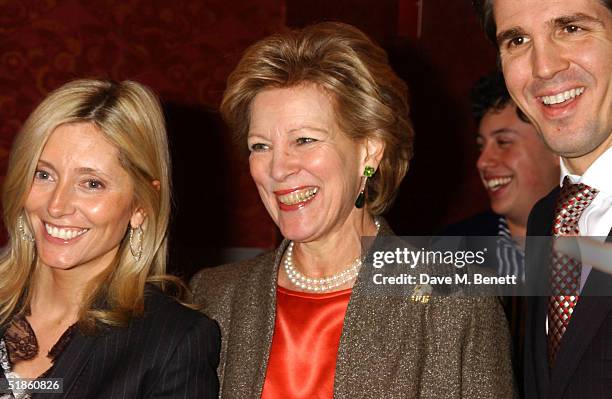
x: 170, y: 352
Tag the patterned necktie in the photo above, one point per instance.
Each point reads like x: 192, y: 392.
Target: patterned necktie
x: 565, y: 271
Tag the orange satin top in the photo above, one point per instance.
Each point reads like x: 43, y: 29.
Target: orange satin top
x: 307, y: 331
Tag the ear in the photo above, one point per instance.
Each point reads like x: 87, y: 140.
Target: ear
x: 374, y: 150
x: 139, y: 215
x: 138, y: 218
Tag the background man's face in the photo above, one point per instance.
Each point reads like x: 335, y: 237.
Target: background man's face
x: 515, y: 166
x: 557, y: 61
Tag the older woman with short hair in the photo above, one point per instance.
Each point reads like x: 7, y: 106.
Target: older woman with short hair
x: 326, y: 122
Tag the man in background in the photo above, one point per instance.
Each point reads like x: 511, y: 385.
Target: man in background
x: 516, y: 169
x: 556, y: 59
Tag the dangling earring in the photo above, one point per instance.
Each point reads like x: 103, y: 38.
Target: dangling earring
x: 367, y: 173
x: 136, y: 242
x: 25, y: 236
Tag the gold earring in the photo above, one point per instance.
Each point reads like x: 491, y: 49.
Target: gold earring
x: 136, y: 242
x: 25, y: 236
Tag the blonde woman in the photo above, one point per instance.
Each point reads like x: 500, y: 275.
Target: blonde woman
x: 82, y: 285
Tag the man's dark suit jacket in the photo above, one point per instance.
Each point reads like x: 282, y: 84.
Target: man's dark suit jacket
x: 583, y: 367
x: 170, y: 352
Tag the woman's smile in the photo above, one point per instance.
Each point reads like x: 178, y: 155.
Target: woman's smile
x: 65, y: 234
x: 291, y: 200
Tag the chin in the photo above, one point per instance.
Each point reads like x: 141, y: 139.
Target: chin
x: 57, y: 264
x: 296, y: 232
x: 500, y: 209
x: 295, y: 235
x: 60, y: 261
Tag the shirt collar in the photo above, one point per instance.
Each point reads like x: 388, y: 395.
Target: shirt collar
x: 596, y: 176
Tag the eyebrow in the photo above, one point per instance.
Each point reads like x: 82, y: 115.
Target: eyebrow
x: 578, y: 17
x: 307, y: 127
x: 83, y: 169
x: 45, y: 163
x: 496, y: 132
x: 293, y: 130
x: 509, y: 34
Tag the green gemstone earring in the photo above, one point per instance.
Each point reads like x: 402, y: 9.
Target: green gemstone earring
x: 367, y: 173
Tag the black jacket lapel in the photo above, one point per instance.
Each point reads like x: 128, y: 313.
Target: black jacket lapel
x: 536, y: 371
x: 588, y: 315
x: 2, y: 330
x: 70, y: 364
x: 3, y: 385
x: 590, y: 312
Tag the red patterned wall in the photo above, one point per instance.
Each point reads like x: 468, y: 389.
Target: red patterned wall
x: 183, y: 49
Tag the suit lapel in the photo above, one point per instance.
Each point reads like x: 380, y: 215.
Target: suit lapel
x: 70, y: 363
x: 372, y: 321
x: 537, y: 274
x: 590, y: 312
x: 2, y: 330
x: 537, y: 378
x: 588, y: 316
x: 541, y: 345
x: 371, y: 327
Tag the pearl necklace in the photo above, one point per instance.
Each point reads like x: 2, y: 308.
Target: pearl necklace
x: 323, y: 284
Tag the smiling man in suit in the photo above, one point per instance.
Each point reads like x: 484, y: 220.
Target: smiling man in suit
x: 556, y: 58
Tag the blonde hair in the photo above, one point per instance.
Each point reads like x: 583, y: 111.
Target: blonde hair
x: 370, y: 100
x: 130, y: 117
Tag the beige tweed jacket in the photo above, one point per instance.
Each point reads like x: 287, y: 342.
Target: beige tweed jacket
x: 390, y: 347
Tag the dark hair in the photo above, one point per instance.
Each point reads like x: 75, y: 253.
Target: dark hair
x: 370, y: 99
x: 484, y: 9
x: 490, y: 93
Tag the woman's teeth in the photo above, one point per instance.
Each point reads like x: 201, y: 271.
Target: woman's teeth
x: 563, y: 96
x: 298, y: 196
x: 64, y: 234
x: 495, y: 184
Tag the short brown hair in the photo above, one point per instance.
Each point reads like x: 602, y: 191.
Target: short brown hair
x: 484, y: 9
x: 370, y: 100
